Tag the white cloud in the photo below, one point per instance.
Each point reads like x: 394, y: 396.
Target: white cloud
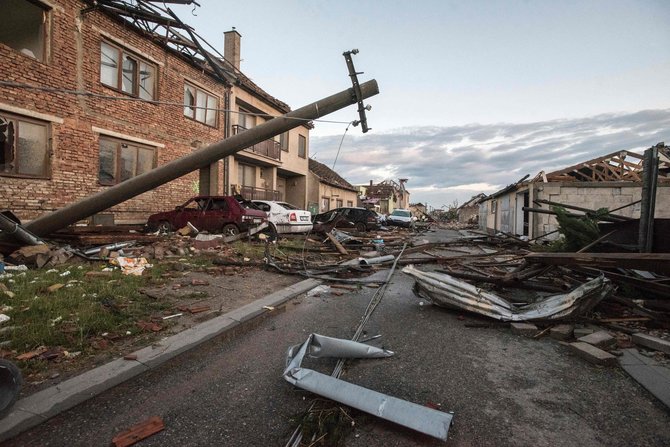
x: 456, y: 162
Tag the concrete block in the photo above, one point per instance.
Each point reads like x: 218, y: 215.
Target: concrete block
x: 582, y: 331
x: 652, y: 342
x: 525, y: 329
x: 592, y: 354
x: 600, y: 339
x: 561, y: 332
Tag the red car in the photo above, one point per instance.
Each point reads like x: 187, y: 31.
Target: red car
x: 214, y: 214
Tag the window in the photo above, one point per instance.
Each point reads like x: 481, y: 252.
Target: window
x: 283, y: 141
x: 24, y: 146
x: 126, y: 72
x: 200, y: 105
x: 350, y: 203
x: 121, y: 160
x: 325, y: 204
x: 246, y: 175
x: 245, y: 119
x: 302, y: 146
x: 24, y: 27
x: 338, y: 203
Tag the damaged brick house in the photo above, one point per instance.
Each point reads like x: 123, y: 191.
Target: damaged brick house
x: 385, y: 196
x: 327, y: 190
x: 94, y: 93
x: 612, y: 181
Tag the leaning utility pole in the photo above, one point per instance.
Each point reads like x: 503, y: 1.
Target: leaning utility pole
x: 46, y: 224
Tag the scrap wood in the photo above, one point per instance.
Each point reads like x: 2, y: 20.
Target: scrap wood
x: 138, y: 432
x: 652, y: 262
x: 32, y: 354
x: 337, y: 244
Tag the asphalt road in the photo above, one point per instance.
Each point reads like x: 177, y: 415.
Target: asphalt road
x: 503, y: 389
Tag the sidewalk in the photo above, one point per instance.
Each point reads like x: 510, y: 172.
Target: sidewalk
x: 45, y: 404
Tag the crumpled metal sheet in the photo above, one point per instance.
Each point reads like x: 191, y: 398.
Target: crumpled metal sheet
x: 417, y: 417
x: 445, y: 290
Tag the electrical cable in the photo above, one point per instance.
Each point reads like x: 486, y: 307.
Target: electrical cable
x: 341, y: 141
x: 165, y: 103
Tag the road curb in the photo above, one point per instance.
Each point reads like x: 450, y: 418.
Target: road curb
x: 47, y: 403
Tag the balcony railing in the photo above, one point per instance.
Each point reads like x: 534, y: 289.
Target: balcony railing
x: 269, y: 148
x: 253, y: 193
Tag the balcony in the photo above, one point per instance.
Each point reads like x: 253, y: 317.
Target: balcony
x: 269, y: 148
x: 253, y: 193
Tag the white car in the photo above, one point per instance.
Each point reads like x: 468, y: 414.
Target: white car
x: 285, y: 217
x: 401, y: 218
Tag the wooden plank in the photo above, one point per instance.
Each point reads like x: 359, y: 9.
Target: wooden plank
x: 652, y: 262
x: 138, y: 432
x: 337, y: 244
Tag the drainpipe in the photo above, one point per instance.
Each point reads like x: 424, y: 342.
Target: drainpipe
x: 135, y: 186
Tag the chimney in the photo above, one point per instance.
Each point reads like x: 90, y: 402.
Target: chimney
x: 231, y: 47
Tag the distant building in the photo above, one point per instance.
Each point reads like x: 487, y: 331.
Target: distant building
x: 612, y: 181
x: 327, y: 190
x: 469, y: 211
x: 385, y: 196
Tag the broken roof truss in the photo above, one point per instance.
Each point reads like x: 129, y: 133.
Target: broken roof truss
x: 163, y: 26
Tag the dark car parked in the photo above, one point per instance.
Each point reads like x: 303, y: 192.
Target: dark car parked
x: 215, y: 214
x: 349, y: 217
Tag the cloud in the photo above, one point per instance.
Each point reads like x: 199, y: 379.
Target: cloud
x: 450, y: 163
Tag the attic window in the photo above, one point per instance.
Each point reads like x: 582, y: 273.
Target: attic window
x: 302, y: 146
x: 24, y: 27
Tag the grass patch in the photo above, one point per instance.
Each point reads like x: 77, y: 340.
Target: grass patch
x: 82, y: 308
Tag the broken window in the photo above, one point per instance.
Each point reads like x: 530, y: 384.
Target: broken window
x: 24, y: 147
x: 126, y: 72
x: 302, y: 146
x: 200, y: 105
x: 121, y: 160
x: 24, y: 27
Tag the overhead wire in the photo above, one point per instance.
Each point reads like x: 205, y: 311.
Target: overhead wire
x: 157, y: 102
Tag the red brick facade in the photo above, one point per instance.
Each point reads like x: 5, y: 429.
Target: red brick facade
x: 76, y: 122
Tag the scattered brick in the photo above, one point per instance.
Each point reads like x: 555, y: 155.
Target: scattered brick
x: 561, y: 332
x: 525, y: 329
x: 138, y: 432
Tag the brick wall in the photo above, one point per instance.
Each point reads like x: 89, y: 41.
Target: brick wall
x: 75, y: 65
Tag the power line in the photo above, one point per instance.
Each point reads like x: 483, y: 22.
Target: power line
x: 165, y: 103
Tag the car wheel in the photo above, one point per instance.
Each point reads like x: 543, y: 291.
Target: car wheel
x: 10, y: 385
x: 230, y: 230
x: 360, y: 226
x: 271, y: 232
x: 164, y: 226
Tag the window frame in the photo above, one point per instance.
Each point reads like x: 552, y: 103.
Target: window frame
x: 284, y: 141
x: 47, y: 150
x: 302, y: 146
x: 121, y: 53
x: 46, y: 32
x: 194, y: 107
x: 117, y: 158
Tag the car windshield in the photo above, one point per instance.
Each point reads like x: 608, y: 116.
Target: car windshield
x: 400, y: 213
x: 288, y: 206
x: 247, y: 204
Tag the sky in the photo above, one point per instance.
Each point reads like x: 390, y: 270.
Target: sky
x: 473, y: 94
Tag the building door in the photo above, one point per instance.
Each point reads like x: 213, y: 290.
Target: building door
x: 281, y: 187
